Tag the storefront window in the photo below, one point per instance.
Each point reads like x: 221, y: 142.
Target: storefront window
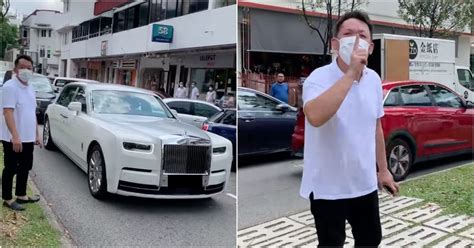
x: 223, y: 80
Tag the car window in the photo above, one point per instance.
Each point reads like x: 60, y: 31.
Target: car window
x: 392, y: 98
x: 248, y: 100
x: 217, y: 118
x: 445, y: 98
x: 465, y: 78
x: 63, y: 82
x: 204, y: 110
x: 415, y: 95
x: 229, y: 118
x: 181, y: 107
x: 41, y: 84
x: 67, y: 95
x: 81, y: 97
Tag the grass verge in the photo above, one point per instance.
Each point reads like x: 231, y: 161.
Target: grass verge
x: 27, y: 228
x: 453, y: 190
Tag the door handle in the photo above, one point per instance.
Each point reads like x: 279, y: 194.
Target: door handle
x: 64, y: 116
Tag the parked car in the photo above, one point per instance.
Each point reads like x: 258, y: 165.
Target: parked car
x: 130, y: 143
x: 162, y: 94
x: 45, y: 94
x: 422, y: 121
x: 265, y: 123
x: 60, y: 82
x: 193, y: 112
x: 223, y: 123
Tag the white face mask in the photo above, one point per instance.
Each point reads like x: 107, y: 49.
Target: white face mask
x: 25, y: 75
x: 346, y: 45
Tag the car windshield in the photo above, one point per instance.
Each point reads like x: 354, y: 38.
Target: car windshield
x: 41, y: 84
x: 128, y: 103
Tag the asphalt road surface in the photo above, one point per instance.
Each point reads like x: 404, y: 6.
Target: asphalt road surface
x: 130, y: 221
x: 269, y: 185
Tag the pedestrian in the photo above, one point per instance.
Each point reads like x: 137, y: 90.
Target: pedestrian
x: 280, y: 89
x: 181, y: 91
x: 344, y: 143
x: 194, y: 91
x: 19, y: 133
x: 211, y: 95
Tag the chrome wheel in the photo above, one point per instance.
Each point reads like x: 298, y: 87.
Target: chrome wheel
x: 95, y: 171
x: 46, y: 133
x: 399, y: 161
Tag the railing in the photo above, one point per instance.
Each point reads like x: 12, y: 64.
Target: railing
x: 92, y: 35
x: 263, y: 82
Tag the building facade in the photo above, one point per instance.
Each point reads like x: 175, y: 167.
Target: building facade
x: 152, y: 44
x: 40, y: 40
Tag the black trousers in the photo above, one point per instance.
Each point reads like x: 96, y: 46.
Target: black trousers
x: 362, y: 213
x: 19, y: 164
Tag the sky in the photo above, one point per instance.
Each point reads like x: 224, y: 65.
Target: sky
x: 26, y: 7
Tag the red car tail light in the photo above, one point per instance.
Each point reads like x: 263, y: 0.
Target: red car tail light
x: 205, y: 127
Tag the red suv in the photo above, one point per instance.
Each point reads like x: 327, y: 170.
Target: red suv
x: 422, y: 121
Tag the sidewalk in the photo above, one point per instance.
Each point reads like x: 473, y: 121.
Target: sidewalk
x: 405, y: 221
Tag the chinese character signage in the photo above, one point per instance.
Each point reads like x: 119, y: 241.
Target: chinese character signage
x: 162, y: 33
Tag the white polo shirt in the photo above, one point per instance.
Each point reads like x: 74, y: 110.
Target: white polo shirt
x: 22, y: 99
x: 339, y: 156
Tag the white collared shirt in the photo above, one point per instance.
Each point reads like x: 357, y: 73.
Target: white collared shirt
x: 339, y: 156
x: 22, y: 100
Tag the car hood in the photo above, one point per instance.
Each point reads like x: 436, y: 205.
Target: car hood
x: 45, y: 95
x: 167, y: 130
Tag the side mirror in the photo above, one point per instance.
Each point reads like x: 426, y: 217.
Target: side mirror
x: 175, y: 113
x: 469, y: 105
x: 75, y: 106
x: 282, y: 107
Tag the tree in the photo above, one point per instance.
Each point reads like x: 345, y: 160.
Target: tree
x: 333, y: 10
x: 436, y: 17
x: 8, y: 37
x: 4, y: 8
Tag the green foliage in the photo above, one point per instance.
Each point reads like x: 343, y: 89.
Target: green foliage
x: 8, y: 37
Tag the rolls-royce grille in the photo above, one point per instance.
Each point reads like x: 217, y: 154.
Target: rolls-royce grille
x: 186, y: 159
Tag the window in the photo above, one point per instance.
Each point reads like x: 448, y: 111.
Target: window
x: 155, y: 11
x: 181, y: 107
x: 130, y: 23
x: 119, y: 21
x: 81, y: 97
x: 171, y: 9
x: 229, y: 118
x: 94, y: 27
x: 223, y: 3
x: 204, y: 110
x: 465, y: 78
x: 67, y: 95
x: 25, y: 33
x: 43, y: 33
x: 392, y: 98
x: 248, y: 100
x: 143, y: 14
x: 415, y: 95
x: 105, y: 25
x: 49, y: 53
x: 42, y: 52
x: 49, y: 33
x: 445, y: 98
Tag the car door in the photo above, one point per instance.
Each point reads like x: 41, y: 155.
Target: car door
x: 202, y: 112
x: 184, y: 110
x: 60, y: 115
x: 457, y: 134
x: 422, y: 119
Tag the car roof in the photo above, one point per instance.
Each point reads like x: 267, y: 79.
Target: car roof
x: 75, y: 79
x: 105, y: 86
x: 387, y: 85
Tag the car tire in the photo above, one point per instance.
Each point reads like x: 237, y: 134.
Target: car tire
x: 399, y: 158
x: 47, y: 140
x: 96, y: 173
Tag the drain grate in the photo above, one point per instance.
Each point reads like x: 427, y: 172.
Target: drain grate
x: 397, y: 203
x: 419, y: 215
x: 304, y: 218
x: 468, y: 233
x: 416, y: 236
x: 450, y: 223
x: 390, y: 225
x: 454, y: 241
x: 266, y: 231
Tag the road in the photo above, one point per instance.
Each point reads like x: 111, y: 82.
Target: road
x: 269, y: 186
x: 129, y: 221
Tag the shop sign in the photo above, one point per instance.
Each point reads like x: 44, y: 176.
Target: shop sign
x: 162, y: 33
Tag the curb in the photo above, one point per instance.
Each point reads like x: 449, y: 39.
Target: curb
x: 436, y: 172
x: 65, y: 239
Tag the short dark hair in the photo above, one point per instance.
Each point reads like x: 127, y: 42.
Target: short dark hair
x: 25, y: 57
x: 356, y: 14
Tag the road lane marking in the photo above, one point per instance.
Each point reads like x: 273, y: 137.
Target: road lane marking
x: 231, y: 195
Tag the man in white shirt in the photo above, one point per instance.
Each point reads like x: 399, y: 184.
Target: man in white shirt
x: 211, y: 95
x: 181, y: 91
x: 194, y: 91
x: 19, y: 133
x: 344, y: 142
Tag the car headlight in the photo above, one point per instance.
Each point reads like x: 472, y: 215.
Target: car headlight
x: 131, y: 146
x: 219, y: 149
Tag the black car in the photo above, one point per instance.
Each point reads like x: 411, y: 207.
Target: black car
x: 265, y: 123
x: 45, y: 94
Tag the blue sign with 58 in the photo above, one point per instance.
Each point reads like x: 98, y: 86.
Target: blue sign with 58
x: 162, y: 33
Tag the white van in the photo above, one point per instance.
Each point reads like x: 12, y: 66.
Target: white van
x: 60, y: 82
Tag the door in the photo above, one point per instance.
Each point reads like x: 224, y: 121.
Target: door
x: 202, y: 112
x: 459, y: 134
x: 421, y: 118
x: 58, y: 120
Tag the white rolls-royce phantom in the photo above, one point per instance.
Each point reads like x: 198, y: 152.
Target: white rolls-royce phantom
x: 130, y: 143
